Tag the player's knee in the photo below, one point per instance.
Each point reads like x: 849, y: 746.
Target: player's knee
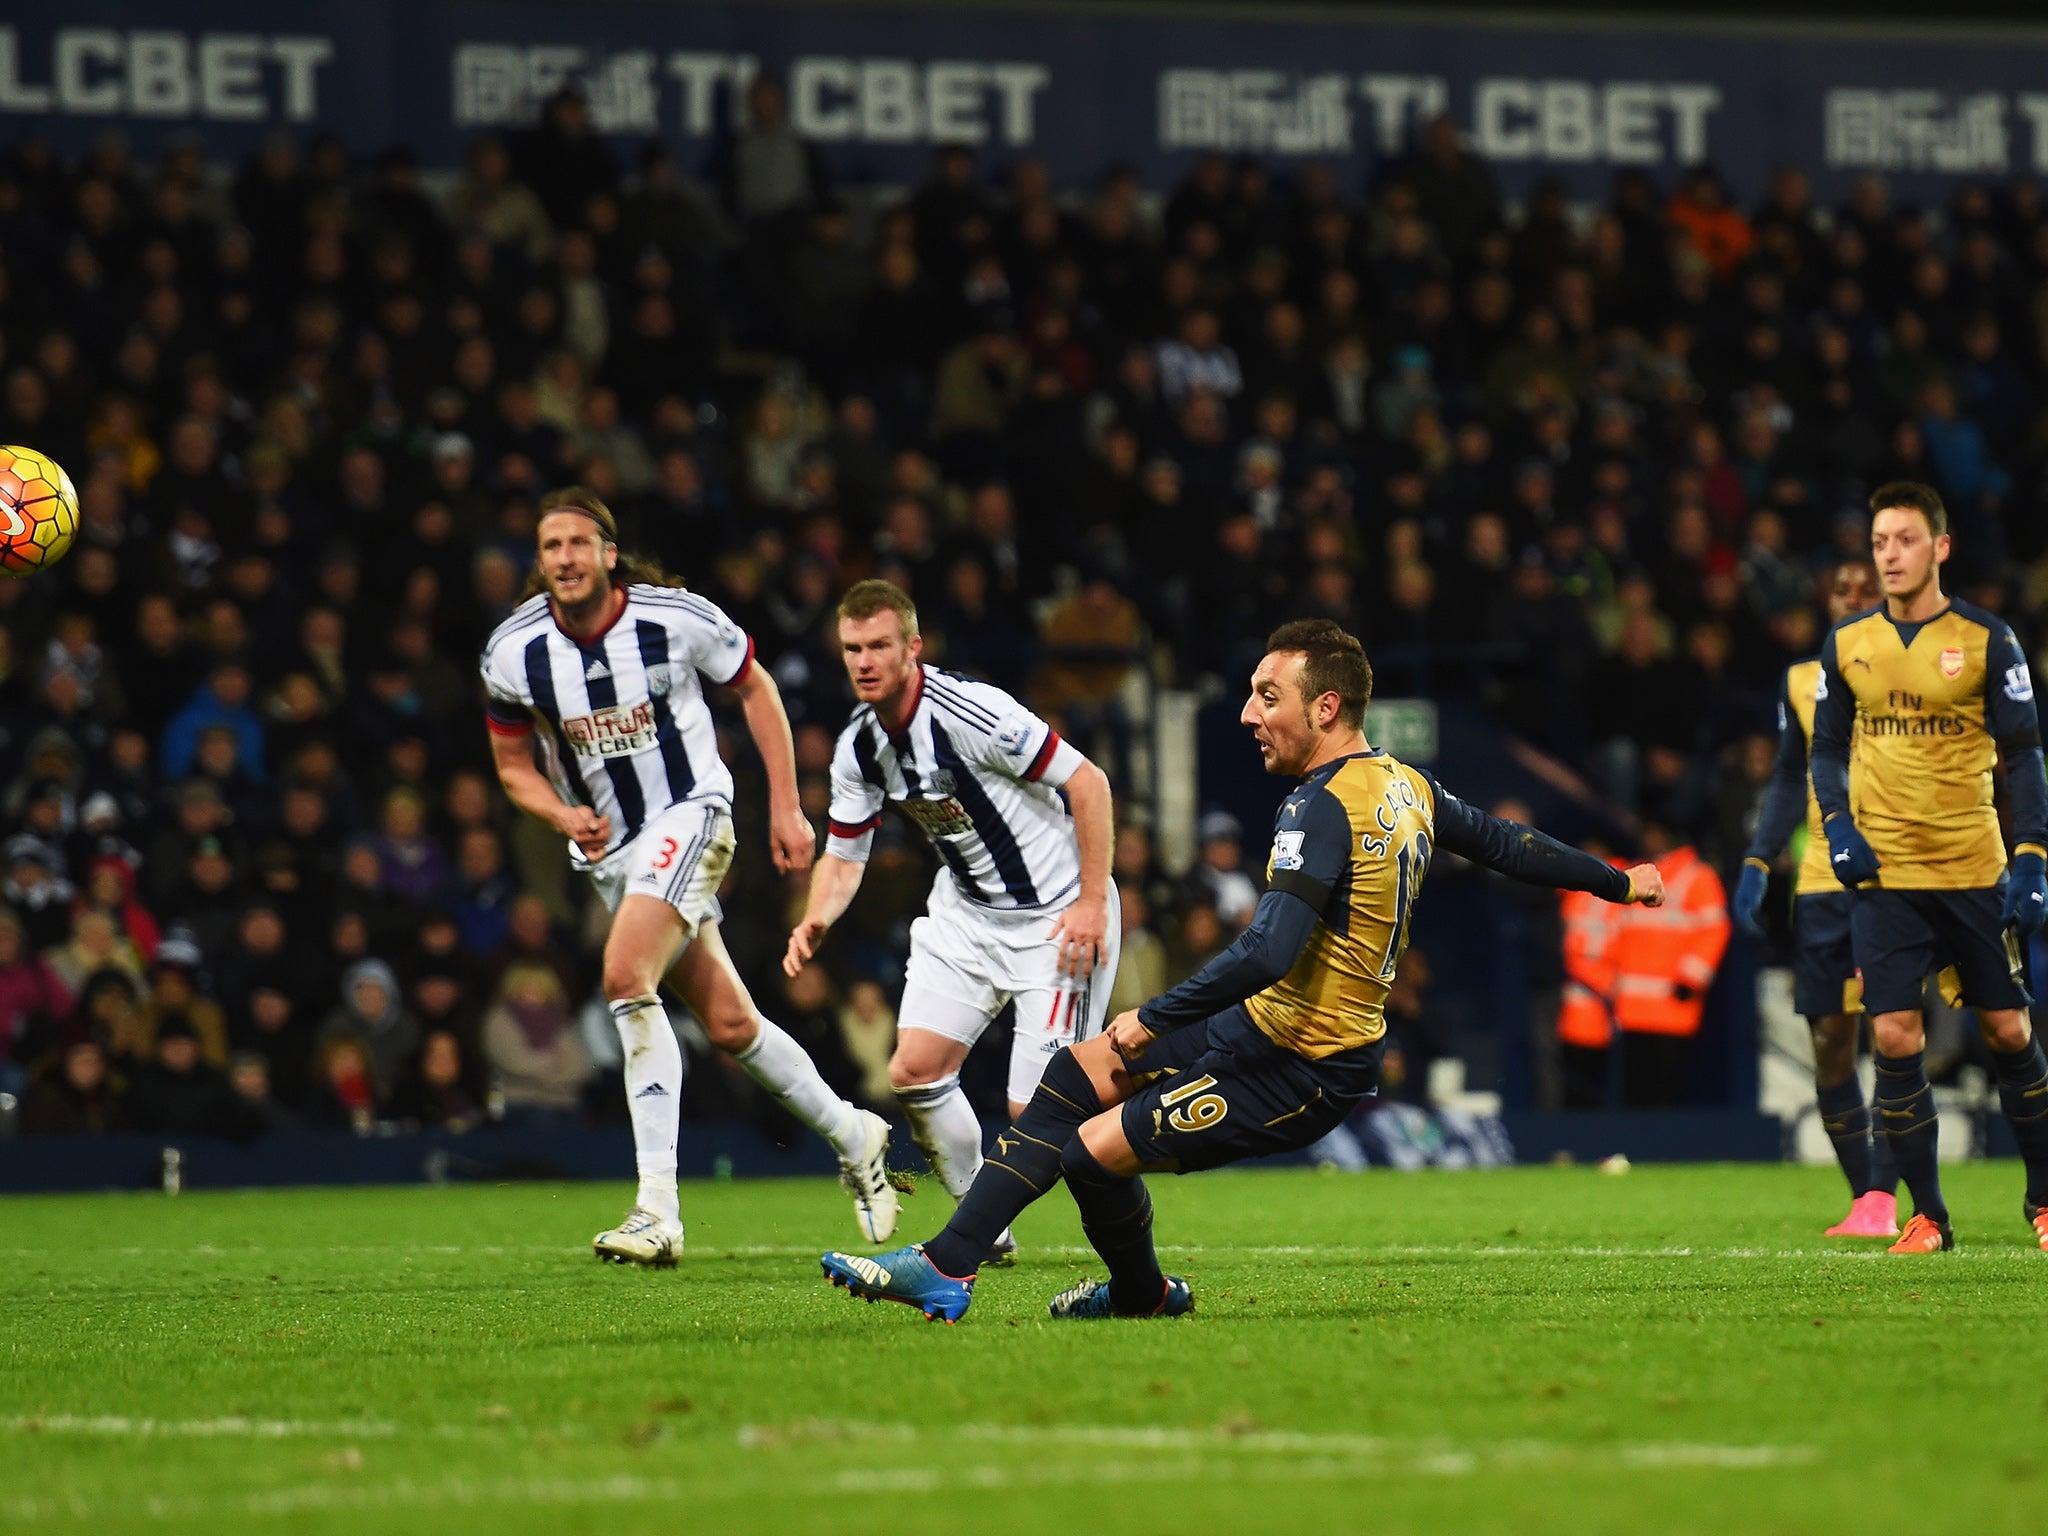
x: 1079, y: 1165
x: 2005, y: 1030
x: 906, y: 1073
x: 730, y: 1027
x: 1898, y: 1034
x: 1066, y: 1075
x: 916, y: 1064
x: 625, y: 978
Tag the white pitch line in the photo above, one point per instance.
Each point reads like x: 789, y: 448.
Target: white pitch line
x: 448, y: 1493
x: 232, y: 1428
x: 1337, y: 1458
x: 711, y: 1251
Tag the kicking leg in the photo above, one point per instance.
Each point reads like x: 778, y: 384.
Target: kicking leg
x: 709, y: 984
x: 1079, y: 1083
x: 938, y: 1277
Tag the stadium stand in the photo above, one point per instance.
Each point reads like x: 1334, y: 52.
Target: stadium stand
x: 1581, y: 469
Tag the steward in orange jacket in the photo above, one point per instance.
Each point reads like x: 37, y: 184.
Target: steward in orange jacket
x: 1665, y: 958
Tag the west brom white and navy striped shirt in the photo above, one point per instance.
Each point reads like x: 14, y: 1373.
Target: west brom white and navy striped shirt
x: 979, y: 774
x: 623, y: 724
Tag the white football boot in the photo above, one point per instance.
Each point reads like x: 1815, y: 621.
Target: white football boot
x: 642, y: 1238
x: 866, y: 1178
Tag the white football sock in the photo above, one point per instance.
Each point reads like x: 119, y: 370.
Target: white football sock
x: 779, y: 1064
x: 654, y: 1096
x: 946, y: 1130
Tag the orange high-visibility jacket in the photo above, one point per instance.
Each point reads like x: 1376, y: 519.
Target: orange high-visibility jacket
x: 1585, y: 1014
x: 1665, y: 957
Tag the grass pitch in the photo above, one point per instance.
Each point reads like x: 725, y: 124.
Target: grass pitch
x: 1534, y: 1350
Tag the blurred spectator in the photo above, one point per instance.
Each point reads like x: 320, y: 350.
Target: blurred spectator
x: 269, y: 1026
x: 257, y: 1111
x: 75, y: 1093
x: 33, y: 1000
x: 223, y: 700
x: 436, y: 1093
x: 95, y: 945
x: 36, y: 890
x: 411, y: 864
x: 344, y: 1094
x: 1141, y: 970
x: 180, y: 1093
x: 535, y: 1055
x: 1219, y: 879
x: 175, y: 992
x: 867, y: 1033
x: 1090, y: 646
x: 372, y: 1011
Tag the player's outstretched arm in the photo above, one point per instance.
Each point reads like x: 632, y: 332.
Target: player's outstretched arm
x: 1535, y: 857
x: 833, y: 883
x: 528, y: 788
x: 791, y: 840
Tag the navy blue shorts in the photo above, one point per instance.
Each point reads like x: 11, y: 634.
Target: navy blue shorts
x: 1823, y: 959
x: 1903, y: 937
x: 1219, y: 1091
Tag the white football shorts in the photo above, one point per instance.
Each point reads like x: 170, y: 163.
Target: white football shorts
x: 967, y: 961
x: 680, y: 857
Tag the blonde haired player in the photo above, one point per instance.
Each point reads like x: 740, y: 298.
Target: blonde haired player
x: 1023, y: 911
x: 605, y: 657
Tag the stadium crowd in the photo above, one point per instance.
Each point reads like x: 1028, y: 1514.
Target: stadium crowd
x: 1585, y: 471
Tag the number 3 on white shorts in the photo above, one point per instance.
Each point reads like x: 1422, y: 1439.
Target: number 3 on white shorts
x: 1194, y: 1107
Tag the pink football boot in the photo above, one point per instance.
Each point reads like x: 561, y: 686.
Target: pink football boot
x: 1873, y: 1215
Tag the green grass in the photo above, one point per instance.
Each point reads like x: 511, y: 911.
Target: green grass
x: 1535, y: 1350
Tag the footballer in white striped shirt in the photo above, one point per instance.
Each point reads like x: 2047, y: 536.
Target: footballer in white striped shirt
x: 594, y: 694
x: 1023, y: 910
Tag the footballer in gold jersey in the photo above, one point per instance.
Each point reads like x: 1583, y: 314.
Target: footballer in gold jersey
x: 1273, y: 1042
x: 1824, y: 986
x: 1931, y: 693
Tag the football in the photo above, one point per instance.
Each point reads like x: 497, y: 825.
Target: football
x: 38, y: 511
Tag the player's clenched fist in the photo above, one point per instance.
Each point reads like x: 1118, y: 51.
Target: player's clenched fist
x: 586, y: 829
x: 1127, y: 1037
x: 1645, y: 886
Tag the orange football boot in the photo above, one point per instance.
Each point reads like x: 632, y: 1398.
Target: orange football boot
x: 2038, y: 1217
x: 1923, y: 1235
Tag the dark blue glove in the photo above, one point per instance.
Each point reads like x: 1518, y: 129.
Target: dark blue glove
x: 2026, y: 893
x: 1849, y: 856
x: 1749, y: 896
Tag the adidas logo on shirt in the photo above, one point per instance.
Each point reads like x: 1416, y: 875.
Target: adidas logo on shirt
x: 652, y: 1091
x: 597, y: 668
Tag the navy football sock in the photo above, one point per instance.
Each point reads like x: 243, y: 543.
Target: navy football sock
x: 1884, y: 1170
x: 1022, y: 1165
x: 1905, y: 1114
x: 1846, y: 1119
x: 2023, y: 1095
x: 1116, y: 1213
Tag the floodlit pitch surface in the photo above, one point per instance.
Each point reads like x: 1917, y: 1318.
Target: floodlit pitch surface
x: 1534, y: 1350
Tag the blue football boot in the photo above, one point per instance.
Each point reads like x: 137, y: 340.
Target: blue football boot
x: 1091, y: 1299
x: 905, y: 1275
